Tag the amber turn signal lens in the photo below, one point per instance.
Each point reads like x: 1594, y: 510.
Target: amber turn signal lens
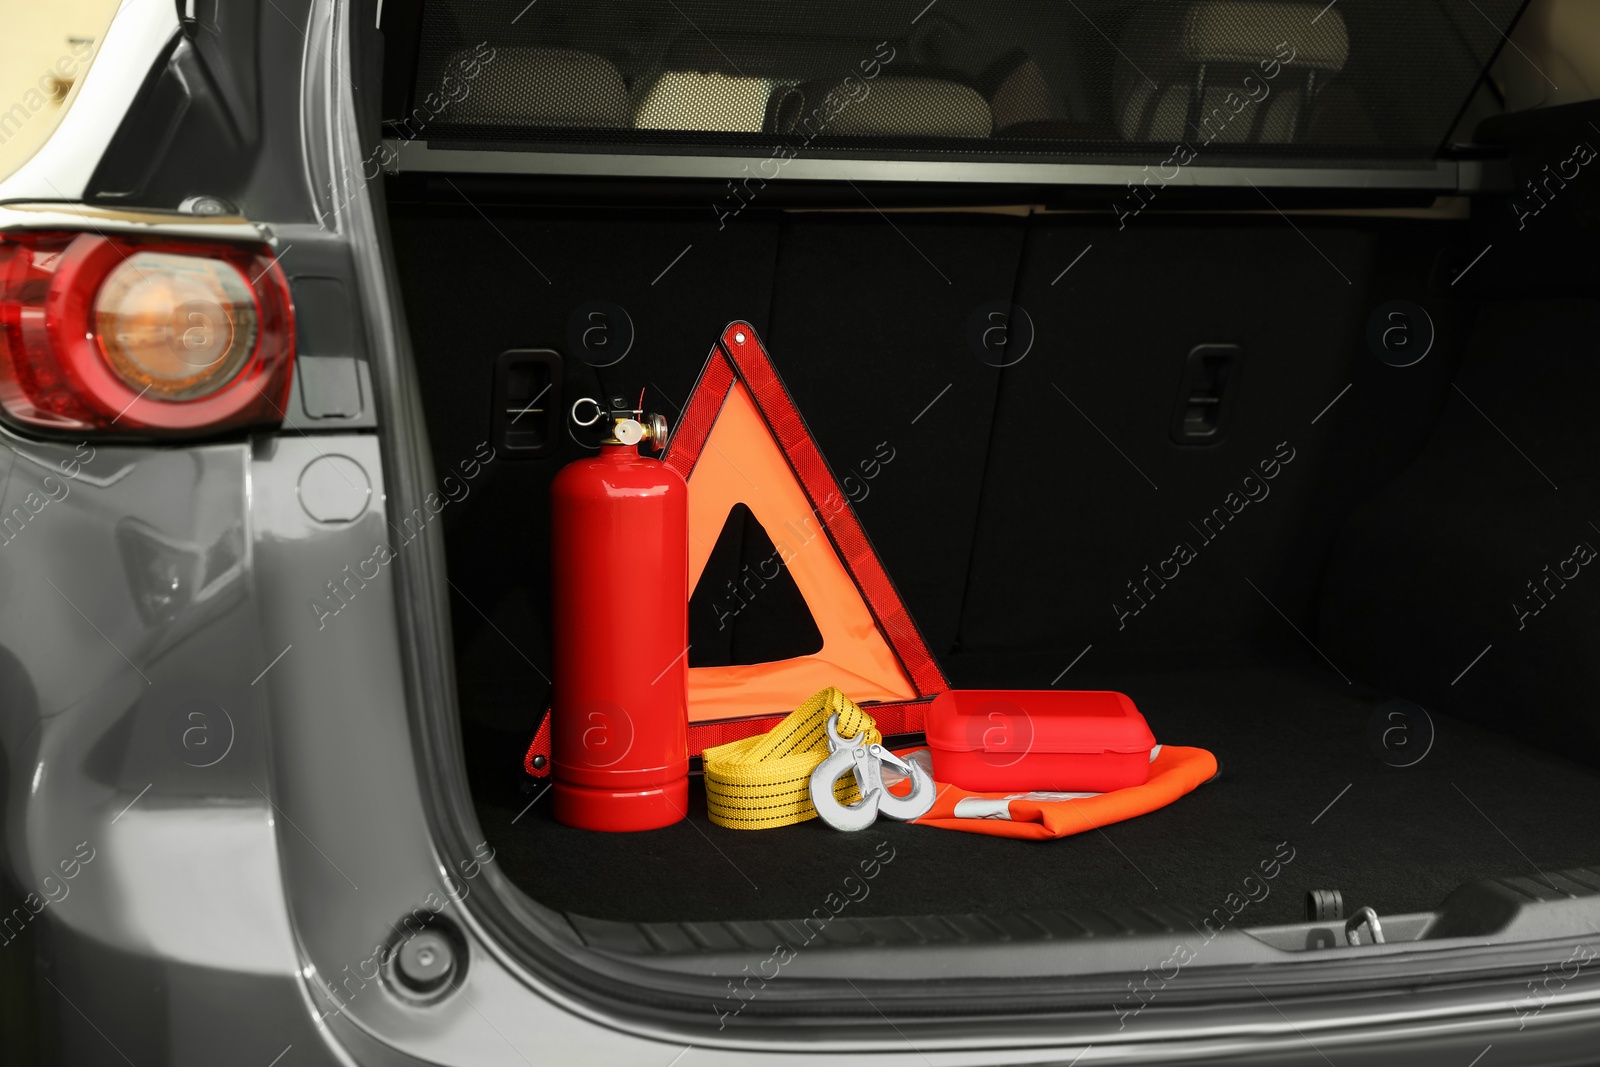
x: 175, y: 327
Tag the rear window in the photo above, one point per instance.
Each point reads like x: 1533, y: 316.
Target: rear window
x: 1066, y: 80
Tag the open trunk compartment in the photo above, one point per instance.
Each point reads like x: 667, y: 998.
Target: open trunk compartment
x: 1412, y: 509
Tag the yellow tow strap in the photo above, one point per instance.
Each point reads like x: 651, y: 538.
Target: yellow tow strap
x: 757, y: 783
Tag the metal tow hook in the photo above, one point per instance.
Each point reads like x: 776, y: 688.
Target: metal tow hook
x: 866, y: 761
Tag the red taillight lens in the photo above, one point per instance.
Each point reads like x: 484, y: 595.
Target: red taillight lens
x: 142, y: 336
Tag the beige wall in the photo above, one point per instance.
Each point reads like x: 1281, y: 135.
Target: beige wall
x: 45, y: 48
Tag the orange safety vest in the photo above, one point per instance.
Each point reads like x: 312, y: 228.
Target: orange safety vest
x: 1042, y: 816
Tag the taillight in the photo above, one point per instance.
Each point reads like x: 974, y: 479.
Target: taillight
x: 142, y: 335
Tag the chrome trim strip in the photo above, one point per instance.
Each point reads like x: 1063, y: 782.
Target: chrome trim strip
x: 418, y: 157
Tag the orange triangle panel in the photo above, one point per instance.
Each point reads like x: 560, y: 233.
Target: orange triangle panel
x: 741, y: 440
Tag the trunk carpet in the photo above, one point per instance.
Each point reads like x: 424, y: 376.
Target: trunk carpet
x: 1298, y: 765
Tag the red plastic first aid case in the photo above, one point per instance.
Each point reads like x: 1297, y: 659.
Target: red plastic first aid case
x: 992, y: 741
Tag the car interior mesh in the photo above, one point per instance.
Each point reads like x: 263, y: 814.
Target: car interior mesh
x: 1169, y: 82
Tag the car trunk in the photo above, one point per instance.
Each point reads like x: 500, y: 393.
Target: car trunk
x: 1384, y: 642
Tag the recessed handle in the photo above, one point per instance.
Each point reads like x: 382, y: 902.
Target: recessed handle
x: 1210, y: 379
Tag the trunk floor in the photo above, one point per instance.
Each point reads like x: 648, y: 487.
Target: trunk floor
x: 1290, y: 740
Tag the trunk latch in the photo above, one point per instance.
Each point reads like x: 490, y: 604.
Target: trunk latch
x: 1365, y: 917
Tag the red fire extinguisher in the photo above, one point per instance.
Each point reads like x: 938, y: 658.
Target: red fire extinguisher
x: 619, y: 713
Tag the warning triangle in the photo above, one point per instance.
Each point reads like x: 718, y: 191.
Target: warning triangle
x: 741, y: 440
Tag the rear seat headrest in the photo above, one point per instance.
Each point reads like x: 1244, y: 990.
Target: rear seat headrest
x: 703, y: 100
x: 544, y: 87
x: 1176, y: 68
x: 886, y: 106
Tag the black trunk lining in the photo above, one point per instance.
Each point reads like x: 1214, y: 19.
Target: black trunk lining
x: 1290, y: 739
